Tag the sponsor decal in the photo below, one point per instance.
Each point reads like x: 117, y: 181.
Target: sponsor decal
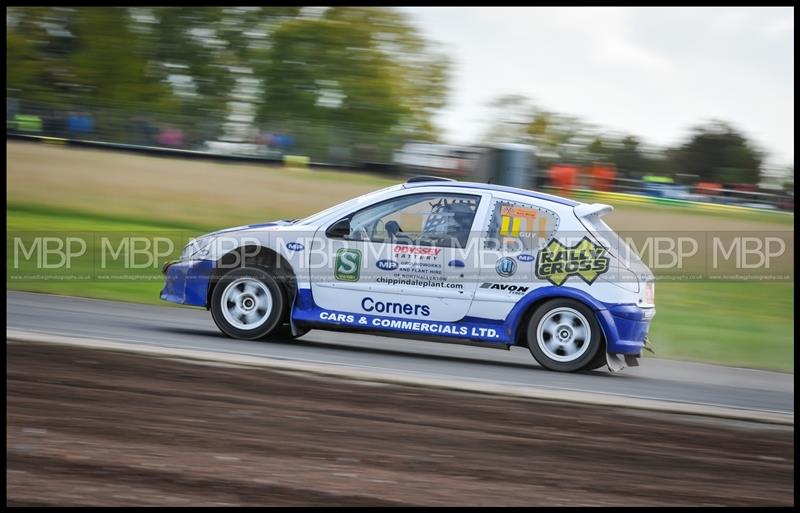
x: 455, y: 263
x: 425, y: 327
x: 522, y: 222
x: 386, y: 307
x: 514, y: 289
x: 556, y: 262
x: 506, y: 267
x: 416, y: 282
x: 417, y: 250
x: 387, y: 265
x: 514, y: 211
x: 337, y: 317
x: 513, y: 223
x: 418, y: 266
x: 347, y: 266
x: 295, y: 246
x: 525, y: 258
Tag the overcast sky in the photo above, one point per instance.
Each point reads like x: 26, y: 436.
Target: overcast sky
x: 653, y: 72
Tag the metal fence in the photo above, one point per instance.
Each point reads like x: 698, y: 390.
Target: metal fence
x: 322, y: 142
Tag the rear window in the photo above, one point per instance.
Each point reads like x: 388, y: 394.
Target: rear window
x: 520, y: 225
x: 615, y: 244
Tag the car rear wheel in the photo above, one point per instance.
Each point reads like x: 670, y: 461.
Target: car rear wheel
x: 563, y: 335
x: 248, y: 303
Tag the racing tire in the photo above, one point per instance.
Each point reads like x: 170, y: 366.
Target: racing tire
x: 284, y: 332
x: 564, y: 335
x: 248, y: 303
x: 599, y: 360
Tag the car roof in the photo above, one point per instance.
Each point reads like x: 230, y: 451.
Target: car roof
x: 493, y: 187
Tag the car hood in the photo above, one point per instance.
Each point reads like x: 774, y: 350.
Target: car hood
x: 257, y: 226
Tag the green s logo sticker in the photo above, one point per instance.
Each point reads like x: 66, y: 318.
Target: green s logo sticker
x: 347, y: 265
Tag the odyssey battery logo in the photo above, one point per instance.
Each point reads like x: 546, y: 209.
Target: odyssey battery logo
x: 417, y: 250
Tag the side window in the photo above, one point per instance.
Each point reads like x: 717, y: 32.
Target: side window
x: 516, y: 226
x: 434, y: 219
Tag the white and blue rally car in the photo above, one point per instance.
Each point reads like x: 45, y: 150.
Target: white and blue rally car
x: 435, y: 259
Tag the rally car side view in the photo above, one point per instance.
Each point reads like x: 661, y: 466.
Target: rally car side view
x: 436, y: 259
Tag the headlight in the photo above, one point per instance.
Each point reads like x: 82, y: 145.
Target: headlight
x: 197, y: 248
x: 650, y: 293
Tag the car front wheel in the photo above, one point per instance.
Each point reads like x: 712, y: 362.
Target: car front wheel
x: 563, y: 335
x: 247, y: 303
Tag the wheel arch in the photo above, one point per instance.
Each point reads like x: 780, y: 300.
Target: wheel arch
x: 523, y: 310
x: 260, y: 256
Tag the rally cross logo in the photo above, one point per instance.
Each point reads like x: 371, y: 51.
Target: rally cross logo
x: 348, y: 265
x: 556, y: 262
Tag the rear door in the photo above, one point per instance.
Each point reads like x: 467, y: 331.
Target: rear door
x: 516, y: 229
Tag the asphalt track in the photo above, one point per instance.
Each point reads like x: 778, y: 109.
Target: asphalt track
x: 189, y: 328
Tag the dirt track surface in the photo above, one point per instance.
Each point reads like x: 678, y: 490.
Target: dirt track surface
x: 92, y: 428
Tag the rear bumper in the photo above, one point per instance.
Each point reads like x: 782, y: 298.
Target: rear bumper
x: 626, y: 327
x: 186, y: 283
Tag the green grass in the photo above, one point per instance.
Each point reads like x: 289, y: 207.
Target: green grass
x: 340, y: 176
x: 32, y: 221
x: 20, y: 216
x: 740, y: 324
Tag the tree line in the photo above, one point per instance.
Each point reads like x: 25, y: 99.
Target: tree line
x: 341, y: 75
x: 714, y: 151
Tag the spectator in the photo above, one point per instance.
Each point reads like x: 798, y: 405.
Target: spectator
x: 603, y: 176
x: 143, y: 132
x: 79, y: 125
x: 288, y: 142
x: 12, y: 109
x: 284, y: 142
x: 266, y: 139
x: 54, y: 124
x: 708, y: 188
x: 171, y: 138
x: 564, y: 177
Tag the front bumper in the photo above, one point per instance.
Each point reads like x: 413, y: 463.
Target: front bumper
x: 186, y: 282
x: 626, y: 328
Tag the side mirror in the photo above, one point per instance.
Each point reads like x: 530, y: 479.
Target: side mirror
x: 339, y: 230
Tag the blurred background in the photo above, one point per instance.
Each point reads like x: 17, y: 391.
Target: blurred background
x: 368, y: 88
x: 167, y: 118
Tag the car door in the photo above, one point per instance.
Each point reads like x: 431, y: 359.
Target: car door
x: 406, y: 257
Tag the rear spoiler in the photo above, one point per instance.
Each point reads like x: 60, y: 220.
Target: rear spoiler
x: 588, y: 209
